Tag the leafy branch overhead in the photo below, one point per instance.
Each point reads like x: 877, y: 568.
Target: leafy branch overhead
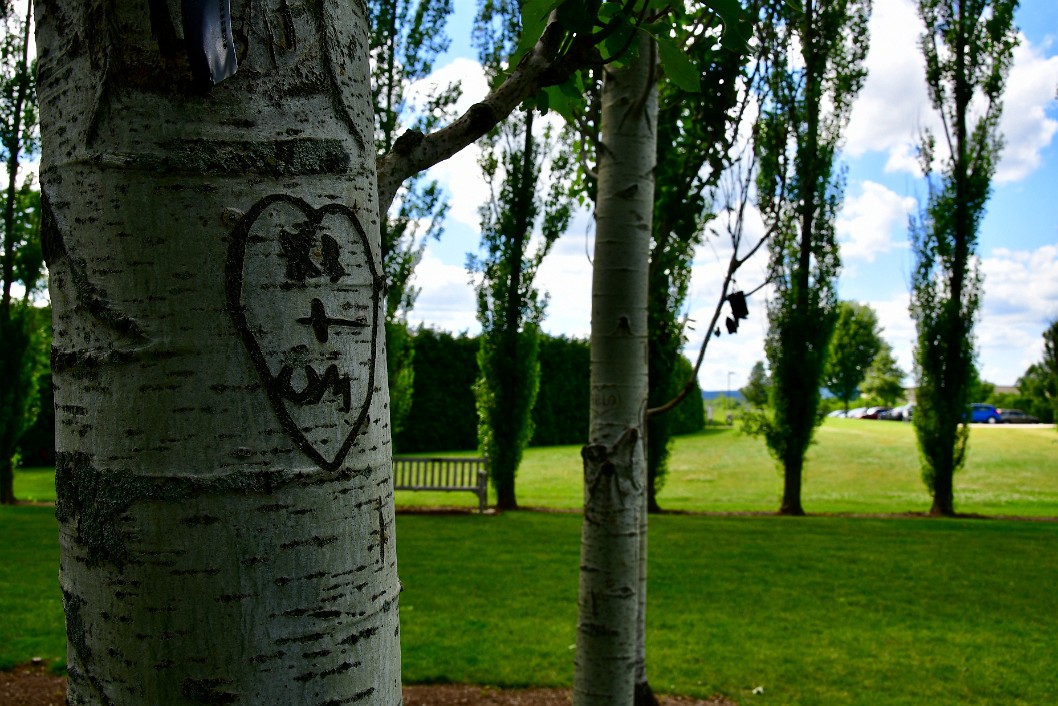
x: 560, y: 39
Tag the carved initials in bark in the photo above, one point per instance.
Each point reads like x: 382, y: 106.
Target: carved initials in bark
x: 609, y: 474
x: 294, y: 275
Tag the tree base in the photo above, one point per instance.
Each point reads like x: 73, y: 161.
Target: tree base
x: 7, y: 484
x: 645, y: 695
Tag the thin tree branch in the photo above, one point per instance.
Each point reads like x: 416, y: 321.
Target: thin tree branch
x: 543, y: 66
x: 741, y: 175
x: 734, y: 263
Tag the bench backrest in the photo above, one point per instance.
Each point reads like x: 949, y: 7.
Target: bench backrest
x: 437, y: 472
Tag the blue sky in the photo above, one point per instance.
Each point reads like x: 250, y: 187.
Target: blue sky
x: 1018, y: 245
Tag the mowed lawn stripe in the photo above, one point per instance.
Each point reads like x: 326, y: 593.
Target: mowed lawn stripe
x: 814, y: 610
x: 855, y: 466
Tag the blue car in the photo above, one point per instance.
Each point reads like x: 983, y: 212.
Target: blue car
x: 984, y: 413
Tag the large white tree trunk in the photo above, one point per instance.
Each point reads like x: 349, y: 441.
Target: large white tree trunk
x: 224, y: 490
x: 614, y: 462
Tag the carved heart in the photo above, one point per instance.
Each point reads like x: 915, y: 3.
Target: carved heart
x: 304, y: 293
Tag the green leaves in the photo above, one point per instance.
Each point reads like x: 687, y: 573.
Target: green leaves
x: 609, y: 28
x: 738, y: 27
x: 565, y: 98
x: 673, y: 31
x: 534, y: 20
x: 678, y: 66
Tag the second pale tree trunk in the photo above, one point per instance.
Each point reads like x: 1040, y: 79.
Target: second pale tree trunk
x: 608, y: 628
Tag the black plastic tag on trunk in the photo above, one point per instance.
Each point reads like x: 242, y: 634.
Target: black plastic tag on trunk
x: 207, y: 36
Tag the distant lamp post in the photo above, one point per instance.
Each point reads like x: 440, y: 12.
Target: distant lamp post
x: 727, y: 398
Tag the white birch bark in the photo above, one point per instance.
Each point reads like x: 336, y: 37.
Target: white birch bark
x: 615, y: 466
x: 224, y: 490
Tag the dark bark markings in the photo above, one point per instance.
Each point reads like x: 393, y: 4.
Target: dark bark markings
x: 331, y: 44
x: 88, y: 295
x: 96, y: 500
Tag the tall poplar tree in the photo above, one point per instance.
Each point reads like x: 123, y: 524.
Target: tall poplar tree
x: 510, y: 308
x: 968, y: 47
x: 21, y: 257
x: 406, y: 39
x: 1049, y: 366
x: 813, y: 58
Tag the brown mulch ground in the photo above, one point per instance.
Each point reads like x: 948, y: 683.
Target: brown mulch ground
x: 458, y: 694
x: 34, y: 685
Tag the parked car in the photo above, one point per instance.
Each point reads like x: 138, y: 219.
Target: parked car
x: 903, y: 413
x: 1016, y: 416
x: 983, y: 413
x: 874, y: 412
x: 837, y: 413
x: 856, y: 412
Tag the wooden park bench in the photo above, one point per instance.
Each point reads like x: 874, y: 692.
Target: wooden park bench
x: 443, y: 474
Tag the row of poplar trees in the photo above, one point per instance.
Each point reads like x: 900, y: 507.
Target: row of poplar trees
x: 225, y: 274
x: 967, y: 46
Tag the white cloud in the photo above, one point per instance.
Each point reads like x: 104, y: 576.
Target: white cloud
x: 1026, y: 128
x: 446, y: 300
x: 893, y: 107
x: 893, y: 104
x: 565, y: 276
x: 733, y: 354
x: 1020, y: 299
x: 460, y: 174
x: 728, y: 353
x: 873, y: 223
x: 903, y: 159
x: 898, y: 330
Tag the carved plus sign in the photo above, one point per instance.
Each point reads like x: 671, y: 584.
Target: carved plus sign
x: 321, y: 323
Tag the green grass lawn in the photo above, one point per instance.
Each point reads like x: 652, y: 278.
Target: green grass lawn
x: 31, y: 619
x: 828, y: 610
x: 855, y: 466
x: 823, y: 610
x: 35, y: 484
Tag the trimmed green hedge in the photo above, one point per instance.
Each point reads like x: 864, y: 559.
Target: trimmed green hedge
x: 443, y: 416
x: 561, y: 413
